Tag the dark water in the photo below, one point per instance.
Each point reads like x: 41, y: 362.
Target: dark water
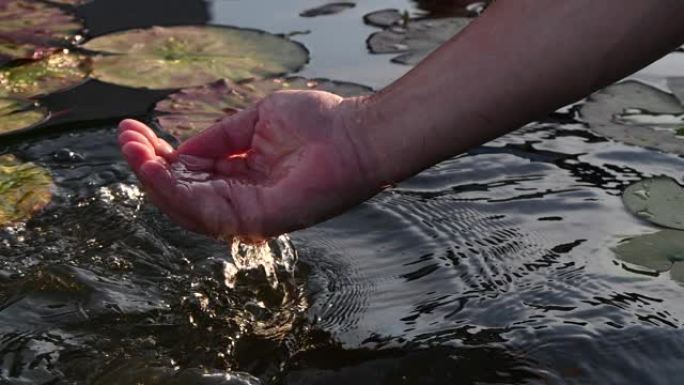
x: 491, y: 268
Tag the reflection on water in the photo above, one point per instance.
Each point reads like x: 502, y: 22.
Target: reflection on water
x: 492, y: 267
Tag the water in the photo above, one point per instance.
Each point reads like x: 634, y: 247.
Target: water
x: 492, y: 267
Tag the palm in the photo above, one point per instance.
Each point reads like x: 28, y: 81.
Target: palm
x: 284, y: 165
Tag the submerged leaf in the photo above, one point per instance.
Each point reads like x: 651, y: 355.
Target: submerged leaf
x: 657, y: 200
x: 186, y: 56
x: 53, y: 73
x: 413, y: 39
x: 327, y: 9
x: 24, y: 189
x: 637, y: 114
x: 30, y: 29
x: 657, y: 252
x: 17, y: 114
x: 189, y: 111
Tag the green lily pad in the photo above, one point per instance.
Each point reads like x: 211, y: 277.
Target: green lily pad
x: 18, y: 114
x: 637, y: 114
x: 186, y: 56
x: 56, y: 72
x: 190, y: 111
x: 327, y: 9
x: 657, y: 252
x: 24, y: 189
x: 676, y: 85
x: 385, y: 18
x: 412, y: 39
x: 30, y: 29
x: 657, y: 200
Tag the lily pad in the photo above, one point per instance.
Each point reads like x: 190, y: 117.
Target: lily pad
x: 412, y: 39
x: 73, y: 3
x: 24, y: 189
x: 657, y: 200
x: 676, y: 85
x: 190, y: 111
x: 385, y: 18
x: 637, y: 114
x: 18, y: 114
x: 657, y: 252
x: 30, y: 29
x: 186, y: 56
x: 327, y: 9
x: 56, y: 72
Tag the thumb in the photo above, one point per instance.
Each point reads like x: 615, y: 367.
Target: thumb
x: 230, y: 136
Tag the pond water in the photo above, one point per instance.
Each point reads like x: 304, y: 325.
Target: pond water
x: 493, y: 267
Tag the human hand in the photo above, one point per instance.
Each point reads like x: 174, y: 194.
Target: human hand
x: 287, y: 163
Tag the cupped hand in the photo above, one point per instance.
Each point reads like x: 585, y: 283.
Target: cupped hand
x: 287, y: 163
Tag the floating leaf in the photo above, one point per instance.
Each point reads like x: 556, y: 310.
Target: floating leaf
x: 657, y: 200
x: 657, y: 252
x: 327, y: 9
x: 189, y: 111
x: 186, y: 56
x: 676, y: 85
x: 30, y: 29
x: 383, y: 18
x: 638, y: 114
x: 17, y: 114
x: 53, y: 73
x: 70, y: 2
x: 413, y: 39
x: 24, y: 189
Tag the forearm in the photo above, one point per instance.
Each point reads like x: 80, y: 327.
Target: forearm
x: 520, y: 60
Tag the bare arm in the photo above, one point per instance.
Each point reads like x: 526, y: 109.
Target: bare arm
x: 299, y: 157
x: 520, y: 60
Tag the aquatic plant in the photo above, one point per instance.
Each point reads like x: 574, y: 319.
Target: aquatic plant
x: 31, y: 29
x: 657, y: 200
x: 186, y: 56
x: 327, y: 9
x: 24, y: 189
x: 638, y: 114
x: 191, y: 110
x: 658, y: 252
x: 50, y: 74
x: 412, y: 39
x: 17, y: 114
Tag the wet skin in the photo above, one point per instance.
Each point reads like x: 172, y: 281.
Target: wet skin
x: 282, y: 165
x: 298, y: 158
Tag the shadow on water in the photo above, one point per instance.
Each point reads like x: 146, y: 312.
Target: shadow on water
x: 491, y: 267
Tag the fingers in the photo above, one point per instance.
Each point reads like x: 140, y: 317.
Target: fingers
x: 232, y: 135
x: 130, y: 129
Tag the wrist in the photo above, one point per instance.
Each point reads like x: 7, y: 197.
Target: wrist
x: 369, y: 133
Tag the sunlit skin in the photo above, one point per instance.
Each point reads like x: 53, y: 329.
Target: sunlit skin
x: 298, y: 158
x: 285, y: 164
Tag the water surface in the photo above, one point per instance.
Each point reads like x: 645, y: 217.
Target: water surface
x: 492, y: 267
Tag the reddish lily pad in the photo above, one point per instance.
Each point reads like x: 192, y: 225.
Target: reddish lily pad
x: 187, y: 56
x: 412, y: 39
x: 190, y: 111
x: 56, y: 72
x: 18, y: 114
x: 30, y: 29
x: 73, y: 3
x: 637, y: 114
x: 25, y: 189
